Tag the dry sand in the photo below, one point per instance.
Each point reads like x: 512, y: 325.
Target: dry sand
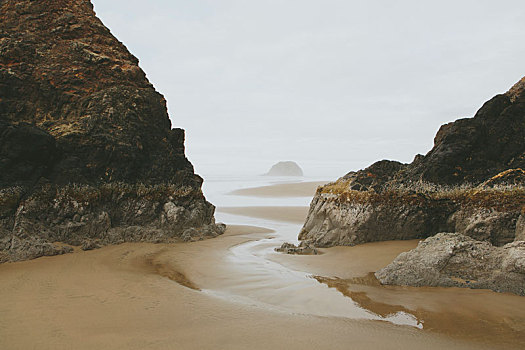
x: 175, y: 296
x: 300, y: 189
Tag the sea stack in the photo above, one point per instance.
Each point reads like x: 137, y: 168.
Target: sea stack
x: 470, y: 184
x: 87, y: 152
x: 287, y: 168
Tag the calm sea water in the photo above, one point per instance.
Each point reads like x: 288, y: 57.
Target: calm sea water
x: 218, y: 191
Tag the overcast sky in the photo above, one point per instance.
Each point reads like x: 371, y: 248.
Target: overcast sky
x: 332, y: 84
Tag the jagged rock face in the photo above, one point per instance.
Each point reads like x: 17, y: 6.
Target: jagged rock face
x: 475, y: 149
x: 75, y: 108
x: 63, y: 72
x: 454, y: 260
x: 373, y: 177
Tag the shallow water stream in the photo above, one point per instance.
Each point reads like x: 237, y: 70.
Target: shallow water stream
x: 259, y: 279
x: 260, y: 276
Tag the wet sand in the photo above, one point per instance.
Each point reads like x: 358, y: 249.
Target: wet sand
x: 478, y: 315
x: 300, y: 189
x: 295, y: 215
x: 235, y: 292
x: 116, y: 298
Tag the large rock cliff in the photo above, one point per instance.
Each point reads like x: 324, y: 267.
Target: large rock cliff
x: 472, y: 183
x: 87, y: 152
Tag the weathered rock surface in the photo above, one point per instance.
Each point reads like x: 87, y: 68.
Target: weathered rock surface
x: 87, y: 153
x: 472, y: 182
x: 287, y: 168
x: 304, y: 248
x: 472, y: 150
x: 341, y: 216
x: 455, y: 260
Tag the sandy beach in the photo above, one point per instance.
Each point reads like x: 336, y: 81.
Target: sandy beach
x: 295, y: 215
x: 185, y: 175
x: 299, y: 189
x: 116, y: 298
x: 478, y: 315
x: 216, y: 294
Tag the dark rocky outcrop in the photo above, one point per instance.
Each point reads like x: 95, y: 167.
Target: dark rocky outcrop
x: 374, y: 177
x: 472, y: 182
x: 471, y: 150
x: 287, y: 168
x: 87, y: 153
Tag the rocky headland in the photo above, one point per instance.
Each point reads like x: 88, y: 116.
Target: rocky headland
x: 471, y: 186
x: 87, y: 153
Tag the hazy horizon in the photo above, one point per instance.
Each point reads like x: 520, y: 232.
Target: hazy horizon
x: 332, y: 85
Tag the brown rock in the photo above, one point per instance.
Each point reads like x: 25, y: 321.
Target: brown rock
x: 87, y: 152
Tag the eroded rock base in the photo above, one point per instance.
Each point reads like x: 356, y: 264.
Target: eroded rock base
x: 95, y: 216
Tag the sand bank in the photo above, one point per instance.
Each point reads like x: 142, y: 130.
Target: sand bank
x: 300, y: 189
x: 295, y: 215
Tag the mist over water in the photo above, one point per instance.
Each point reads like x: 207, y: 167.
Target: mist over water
x: 333, y: 85
x: 251, y: 160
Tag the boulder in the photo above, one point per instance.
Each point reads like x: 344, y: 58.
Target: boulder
x: 455, y: 260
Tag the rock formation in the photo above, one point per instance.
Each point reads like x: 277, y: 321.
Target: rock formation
x: 87, y: 153
x: 285, y: 169
x: 472, y: 182
x: 302, y: 249
x: 455, y: 260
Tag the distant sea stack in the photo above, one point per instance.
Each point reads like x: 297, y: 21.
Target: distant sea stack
x: 87, y: 153
x: 471, y: 185
x: 287, y: 168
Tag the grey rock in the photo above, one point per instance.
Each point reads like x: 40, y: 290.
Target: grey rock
x: 483, y: 224
x: 95, y: 216
x: 332, y: 222
x: 455, y: 260
x: 287, y: 168
x: 340, y: 215
x: 90, y: 245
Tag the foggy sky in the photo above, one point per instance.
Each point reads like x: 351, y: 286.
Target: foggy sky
x: 334, y: 85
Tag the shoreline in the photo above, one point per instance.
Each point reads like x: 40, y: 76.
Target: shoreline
x: 294, y: 189
x: 289, y: 214
x: 205, y: 294
x: 107, y: 299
